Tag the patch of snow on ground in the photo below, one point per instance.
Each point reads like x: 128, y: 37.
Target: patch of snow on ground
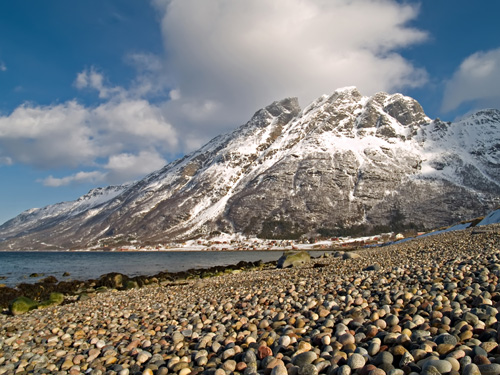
x: 450, y: 229
x: 492, y: 218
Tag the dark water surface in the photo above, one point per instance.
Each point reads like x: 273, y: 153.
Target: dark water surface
x: 16, y: 266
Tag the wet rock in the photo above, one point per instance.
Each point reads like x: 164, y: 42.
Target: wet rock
x: 49, y: 280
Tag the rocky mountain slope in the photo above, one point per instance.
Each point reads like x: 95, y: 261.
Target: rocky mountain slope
x: 344, y: 161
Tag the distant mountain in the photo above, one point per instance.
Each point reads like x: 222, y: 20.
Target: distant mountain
x: 36, y: 219
x: 344, y: 162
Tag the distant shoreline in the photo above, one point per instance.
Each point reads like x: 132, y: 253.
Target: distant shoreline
x: 32, y: 267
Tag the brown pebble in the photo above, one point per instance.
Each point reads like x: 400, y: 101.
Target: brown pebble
x: 464, y: 336
x: 264, y: 351
x: 489, y: 346
x: 398, y: 350
x: 365, y: 370
x: 445, y: 348
x: 481, y: 360
x: 241, y: 366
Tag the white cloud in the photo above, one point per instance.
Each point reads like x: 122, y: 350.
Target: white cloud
x: 151, y: 77
x: 3, y: 67
x: 135, y: 125
x: 71, y: 135
x: 129, y: 132
x: 476, y: 80
x: 127, y: 167
x: 94, y: 177
x: 226, y: 59
x: 92, y: 79
x: 5, y: 160
x: 119, y: 169
x: 145, y: 62
x: 48, y: 137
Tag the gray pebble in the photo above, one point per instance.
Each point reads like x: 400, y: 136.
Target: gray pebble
x: 356, y: 361
x: 441, y: 365
x: 308, y: 369
x: 489, y: 369
x: 344, y: 370
x: 471, y: 369
x: 304, y: 358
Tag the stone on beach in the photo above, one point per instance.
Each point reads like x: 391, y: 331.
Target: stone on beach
x: 432, y: 308
x: 293, y: 259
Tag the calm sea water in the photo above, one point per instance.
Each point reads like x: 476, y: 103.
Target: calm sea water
x: 17, y: 266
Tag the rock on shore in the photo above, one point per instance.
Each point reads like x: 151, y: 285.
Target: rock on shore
x: 429, y: 307
x: 293, y: 259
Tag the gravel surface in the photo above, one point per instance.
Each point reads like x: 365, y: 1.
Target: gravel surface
x: 428, y: 306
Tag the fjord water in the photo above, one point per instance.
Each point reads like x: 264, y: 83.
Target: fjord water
x: 16, y: 266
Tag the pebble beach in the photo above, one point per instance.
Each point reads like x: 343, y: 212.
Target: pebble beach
x: 427, y: 306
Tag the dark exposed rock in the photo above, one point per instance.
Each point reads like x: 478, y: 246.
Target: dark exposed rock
x: 49, y: 280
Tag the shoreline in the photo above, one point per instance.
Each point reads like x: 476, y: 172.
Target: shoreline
x: 69, y: 264
x: 41, y: 289
x: 429, y: 307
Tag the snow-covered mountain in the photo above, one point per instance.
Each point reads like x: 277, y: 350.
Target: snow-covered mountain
x: 345, y: 160
x: 37, y: 218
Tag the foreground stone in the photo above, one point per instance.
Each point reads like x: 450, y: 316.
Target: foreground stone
x: 431, y: 308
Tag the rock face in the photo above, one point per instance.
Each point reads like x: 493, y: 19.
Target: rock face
x: 344, y: 161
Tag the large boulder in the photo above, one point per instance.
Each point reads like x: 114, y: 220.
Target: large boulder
x: 293, y: 259
x: 21, y: 305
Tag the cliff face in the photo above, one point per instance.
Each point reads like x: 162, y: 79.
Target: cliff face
x: 343, y: 161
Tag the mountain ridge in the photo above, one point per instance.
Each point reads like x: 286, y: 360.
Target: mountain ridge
x: 343, y: 160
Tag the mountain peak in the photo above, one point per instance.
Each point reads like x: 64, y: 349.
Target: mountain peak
x: 287, y: 105
x: 281, y: 111
x: 348, y: 90
x: 489, y: 114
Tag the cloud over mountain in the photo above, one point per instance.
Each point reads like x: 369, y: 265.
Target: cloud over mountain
x: 227, y: 58
x: 222, y: 60
x: 72, y: 135
x: 477, y: 79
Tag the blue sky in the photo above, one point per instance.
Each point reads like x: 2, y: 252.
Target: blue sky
x: 94, y: 93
